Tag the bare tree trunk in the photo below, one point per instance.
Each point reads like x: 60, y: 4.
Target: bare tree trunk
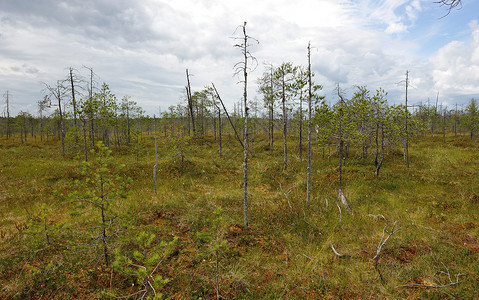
x: 103, y: 220
x: 243, y: 67
x: 301, y: 127
x: 73, y: 98
x: 455, y: 122
x: 245, y: 164
x: 444, y: 125
x: 219, y: 132
x: 271, y: 125
x: 190, y: 104
x: 62, y: 132
x: 7, y: 98
x: 308, y: 193
x: 285, y: 123
x: 406, y: 140
x: 85, y: 148
x: 271, y: 111
x: 378, y: 163
x: 341, y: 141
x: 156, y: 154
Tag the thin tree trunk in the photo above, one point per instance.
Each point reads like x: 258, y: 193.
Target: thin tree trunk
x: 406, y: 140
x: 308, y: 193
x: 301, y: 127
x: 103, y: 221
x: 285, y: 123
x: 219, y: 132
x: 444, y: 126
x: 271, y: 126
x: 62, y: 133
x: 378, y: 163
x: 190, y: 104
x: 156, y: 154
x: 73, y: 98
x: 85, y: 149
x: 245, y: 164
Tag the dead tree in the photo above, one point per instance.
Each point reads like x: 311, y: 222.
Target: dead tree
x: 308, y: 192
x: 72, y: 80
x: 7, y: 100
x: 341, y: 108
x: 406, y: 113
x: 59, y: 92
x: 190, y: 103
x: 156, y: 154
x: 92, y: 111
x: 242, y: 67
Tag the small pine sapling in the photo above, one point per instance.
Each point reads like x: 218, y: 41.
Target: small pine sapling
x: 178, y: 141
x: 216, y: 244
x: 38, y: 223
x: 101, y: 187
x: 144, y: 263
x: 138, y: 148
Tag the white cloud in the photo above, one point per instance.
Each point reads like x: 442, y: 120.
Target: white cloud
x: 455, y: 67
x: 141, y: 48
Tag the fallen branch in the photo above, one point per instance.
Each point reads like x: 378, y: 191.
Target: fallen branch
x: 336, y: 252
x: 451, y: 283
x: 383, y: 240
x: 343, y: 200
x: 339, y: 207
x: 418, y: 285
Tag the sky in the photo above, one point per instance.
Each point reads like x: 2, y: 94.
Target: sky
x: 142, y: 48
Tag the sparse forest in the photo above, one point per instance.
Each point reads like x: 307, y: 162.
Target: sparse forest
x: 289, y: 196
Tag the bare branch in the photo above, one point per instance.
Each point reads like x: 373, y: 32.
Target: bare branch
x: 285, y: 194
x: 336, y: 252
x: 339, y: 212
x: 450, y: 4
x: 418, y: 285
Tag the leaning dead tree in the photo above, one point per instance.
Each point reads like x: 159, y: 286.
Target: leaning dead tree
x: 242, y: 67
x: 190, y: 103
x: 227, y: 115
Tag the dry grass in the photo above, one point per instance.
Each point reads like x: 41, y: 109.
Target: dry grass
x: 287, y: 251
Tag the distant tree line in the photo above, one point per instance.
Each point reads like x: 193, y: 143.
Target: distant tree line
x: 81, y: 119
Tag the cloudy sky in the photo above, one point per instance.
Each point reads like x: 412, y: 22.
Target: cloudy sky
x: 142, y: 48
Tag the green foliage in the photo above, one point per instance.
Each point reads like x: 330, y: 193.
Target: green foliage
x: 101, y: 187
x: 472, y: 117
x: 143, y: 264
x: 39, y: 223
x: 178, y: 140
x: 138, y: 147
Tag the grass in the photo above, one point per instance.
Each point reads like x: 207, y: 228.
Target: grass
x: 286, y: 253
